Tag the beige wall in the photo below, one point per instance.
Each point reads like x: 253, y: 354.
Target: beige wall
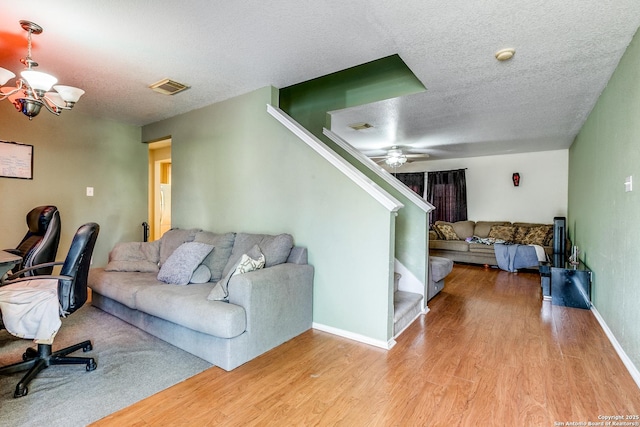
x: 541, y: 196
x: 72, y: 152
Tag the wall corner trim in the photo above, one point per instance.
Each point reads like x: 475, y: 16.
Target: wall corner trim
x: 386, y: 199
x: 387, y: 345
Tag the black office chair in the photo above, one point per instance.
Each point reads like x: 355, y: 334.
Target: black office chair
x: 72, y: 294
x: 40, y: 244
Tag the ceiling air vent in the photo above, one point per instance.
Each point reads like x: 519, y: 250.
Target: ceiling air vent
x: 168, y: 87
x: 360, y: 126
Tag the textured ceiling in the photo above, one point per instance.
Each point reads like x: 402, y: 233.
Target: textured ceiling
x: 474, y: 105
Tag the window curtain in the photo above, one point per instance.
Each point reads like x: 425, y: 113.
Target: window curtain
x: 447, y: 192
x: 414, y: 181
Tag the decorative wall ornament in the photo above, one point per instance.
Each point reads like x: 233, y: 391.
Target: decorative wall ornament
x: 516, y: 179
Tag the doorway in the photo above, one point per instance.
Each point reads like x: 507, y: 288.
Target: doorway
x: 159, y: 188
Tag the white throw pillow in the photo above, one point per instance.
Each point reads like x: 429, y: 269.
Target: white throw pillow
x: 252, y: 260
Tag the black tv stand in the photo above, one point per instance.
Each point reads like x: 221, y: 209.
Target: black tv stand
x: 564, y: 283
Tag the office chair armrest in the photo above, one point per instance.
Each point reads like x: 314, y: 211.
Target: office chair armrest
x: 25, y: 279
x: 33, y: 267
x: 13, y: 251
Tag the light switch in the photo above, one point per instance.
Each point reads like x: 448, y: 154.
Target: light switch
x: 90, y: 191
x: 628, y: 183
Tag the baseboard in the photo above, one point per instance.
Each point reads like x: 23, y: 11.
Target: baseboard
x: 387, y: 345
x: 633, y: 370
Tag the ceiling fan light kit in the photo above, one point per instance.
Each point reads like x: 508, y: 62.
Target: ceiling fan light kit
x: 32, y: 89
x: 505, y: 54
x: 396, y: 160
x: 396, y: 156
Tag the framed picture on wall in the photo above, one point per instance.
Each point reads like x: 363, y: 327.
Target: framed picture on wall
x: 16, y: 160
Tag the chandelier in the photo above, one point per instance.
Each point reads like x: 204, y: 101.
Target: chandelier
x: 32, y: 89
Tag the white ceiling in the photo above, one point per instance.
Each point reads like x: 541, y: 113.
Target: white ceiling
x: 474, y: 105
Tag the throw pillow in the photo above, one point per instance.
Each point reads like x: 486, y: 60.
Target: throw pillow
x: 217, y: 259
x: 276, y: 249
x: 134, y: 256
x: 436, y: 229
x: 173, y: 238
x: 537, y: 235
x: 202, y: 274
x: 520, y: 234
x: 181, y: 264
x: 447, y: 231
x: 502, y: 232
x: 254, y: 259
x: 248, y: 264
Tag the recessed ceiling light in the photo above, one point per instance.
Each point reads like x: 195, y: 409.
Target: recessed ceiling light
x: 505, y: 54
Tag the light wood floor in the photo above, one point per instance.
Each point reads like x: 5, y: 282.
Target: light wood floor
x: 489, y: 353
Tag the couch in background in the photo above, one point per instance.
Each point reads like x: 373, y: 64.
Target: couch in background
x: 472, y: 242
x: 226, y: 298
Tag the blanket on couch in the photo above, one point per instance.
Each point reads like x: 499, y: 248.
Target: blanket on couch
x: 515, y: 256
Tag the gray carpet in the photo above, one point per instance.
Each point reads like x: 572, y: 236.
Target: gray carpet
x: 132, y: 365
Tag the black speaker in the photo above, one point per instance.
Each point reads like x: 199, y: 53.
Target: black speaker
x: 559, y: 235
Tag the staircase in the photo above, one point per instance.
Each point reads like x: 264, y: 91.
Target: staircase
x: 407, y: 306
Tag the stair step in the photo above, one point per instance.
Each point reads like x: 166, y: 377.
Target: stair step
x: 406, y: 307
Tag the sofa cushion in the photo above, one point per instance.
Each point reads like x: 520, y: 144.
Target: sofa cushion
x: 202, y: 274
x: 134, y: 256
x: 298, y: 255
x: 222, y: 246
x: 447, y: 232
x: 121, y: 286
x: 483, y: 228
x: 173, y: 238
x: 537, y: 235
x: 502, y: 232
x: 481, y: 248
x: 276, y: 248
x: 520, y: 234
x: 181, y: 264
x: 462, y: 229
x: 188, y: 306
x: 449, y: 245
x: 439, y: 267
x: 435, y: 232
x: 251, y: 261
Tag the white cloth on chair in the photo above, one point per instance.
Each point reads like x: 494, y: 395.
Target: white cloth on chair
x: 30, y: 309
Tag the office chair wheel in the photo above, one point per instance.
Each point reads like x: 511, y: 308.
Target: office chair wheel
x: 21, y: 391
x: 91, y: 365
x: 87, y: 347
x: 30, y: 353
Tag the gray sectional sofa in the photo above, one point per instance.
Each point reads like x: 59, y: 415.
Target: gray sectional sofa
x: 226, y: 298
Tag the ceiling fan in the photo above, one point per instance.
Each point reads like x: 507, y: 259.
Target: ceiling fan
x: 396, y: 156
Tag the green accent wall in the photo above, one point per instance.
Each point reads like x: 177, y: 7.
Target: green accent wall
x: 603, y: 219
x: 71, y: 152
x: 385, y: 78
x: 236, y: 168
x: 309, y: 102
